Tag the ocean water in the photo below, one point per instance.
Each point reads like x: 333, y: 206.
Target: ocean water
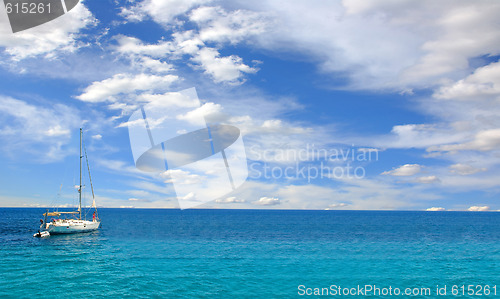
x: 252, y: 254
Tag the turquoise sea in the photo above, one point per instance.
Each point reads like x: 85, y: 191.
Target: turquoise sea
x: 253, y: 254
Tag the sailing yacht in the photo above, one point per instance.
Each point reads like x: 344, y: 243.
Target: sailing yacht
x: 71, y: 222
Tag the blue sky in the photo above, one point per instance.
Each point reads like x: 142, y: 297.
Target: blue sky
x: 414, y: 83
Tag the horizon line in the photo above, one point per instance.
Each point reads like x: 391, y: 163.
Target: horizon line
x: 250, y: 209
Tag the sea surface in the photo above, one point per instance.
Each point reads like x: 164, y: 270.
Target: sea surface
x: 253, y: 254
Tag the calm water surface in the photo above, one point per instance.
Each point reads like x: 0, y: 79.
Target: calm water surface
x: 248, y: 253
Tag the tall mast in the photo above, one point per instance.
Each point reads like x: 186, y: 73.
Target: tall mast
x: 80, y: 189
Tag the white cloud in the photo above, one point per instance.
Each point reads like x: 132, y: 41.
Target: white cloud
x: 101, y: 91
x: 278, y: 126
x: 169, y: 99
x: 146, y: 57
x: 163, y: 190
x: 154, y: 65
x: 138, y: 199
x: 161, y: 11
x: 138, y: 193
x: 405, y: 170
x: 268, y: 201
x: 231, y: 199
x: 485, y: 140
x: 57, y: 130
x: 355, y: 26
x: 187, y: 42
x: 436, y: 209
x: 362, y: 194
x: 133, y: 45
x: 433, y: 41
x: 465, y: 169
x: 416, y: 136
x: 181, y: 177
x: 97, y: 137
x: 478, y: 208
x: 153, y: 123
x: 38, y: 132
x: 465, y: 133
x: 467, y: 183
x: 133, y: 198
x: 121, y: 167
x: 66, y: 206
x: 427, y: 40
x: 428, y: 179
x: 229, y: 69
x: 218, y: 25
x: 198, y: 115
x: 484, y: 82
x: 49, y: 39
x: 338, y: 205
x: 465, y: 32
x: 214, y: 25
x: 137, y: 123
x: 189, y: 196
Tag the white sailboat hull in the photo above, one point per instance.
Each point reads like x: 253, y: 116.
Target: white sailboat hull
x: 71, y: 226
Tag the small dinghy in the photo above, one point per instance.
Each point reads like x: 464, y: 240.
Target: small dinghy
x: 41, y: 234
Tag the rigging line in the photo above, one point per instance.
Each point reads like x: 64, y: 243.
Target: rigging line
x: 90, y: 177
x: 57, y: 199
